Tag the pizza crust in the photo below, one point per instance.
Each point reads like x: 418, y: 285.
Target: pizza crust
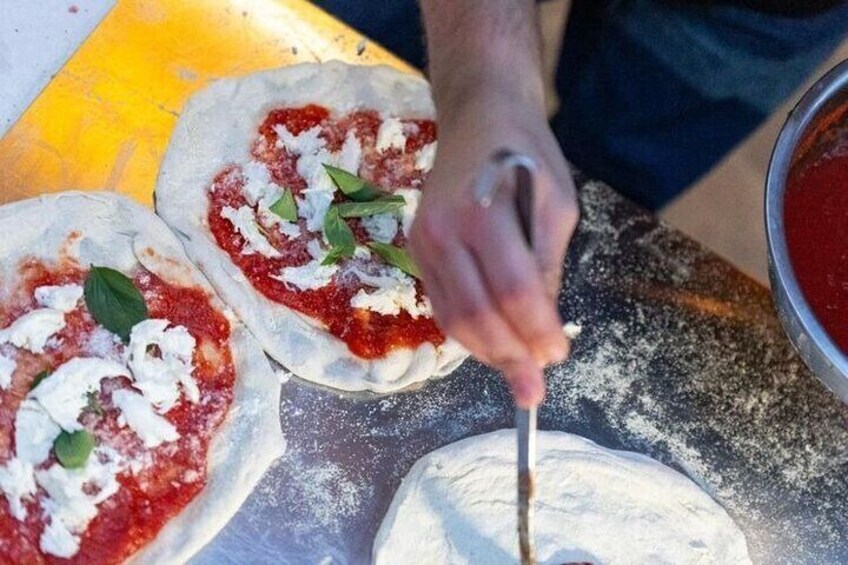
x: 216, y: 129
x: 458, y: 505
x: 109, y: 230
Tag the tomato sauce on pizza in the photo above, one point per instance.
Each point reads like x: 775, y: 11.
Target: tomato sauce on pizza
x: 281, y: 148
x: 151, y: 484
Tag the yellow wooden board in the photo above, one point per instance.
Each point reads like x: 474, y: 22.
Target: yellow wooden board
x: 104, y: 121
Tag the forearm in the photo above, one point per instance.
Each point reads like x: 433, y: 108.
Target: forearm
x: 483, y: 49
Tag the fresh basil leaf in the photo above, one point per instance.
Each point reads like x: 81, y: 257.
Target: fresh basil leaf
x: 38, y: 378
x: 72, y: 449
x: 336, y: 254
x: 396, y: 257
x: 114, y: 301
x: 339, y: 236
x: 354, y: 187
x: 384, y: 205
x: 285, y: 207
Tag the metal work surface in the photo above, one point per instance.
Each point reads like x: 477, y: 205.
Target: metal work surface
x: 681, y: 358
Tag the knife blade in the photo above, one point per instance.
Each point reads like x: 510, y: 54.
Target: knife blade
x: 525, y: 420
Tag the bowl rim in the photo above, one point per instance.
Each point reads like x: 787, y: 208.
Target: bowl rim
x: 782, y: 274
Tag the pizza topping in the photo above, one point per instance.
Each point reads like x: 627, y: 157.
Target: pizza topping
x: 72, y: 499
x: 88, y: 417
x: 411, y: 197
x: 350, y: 157
x: 35, y: 432
x: 354, y: 180
x: 308, y: 142
x: 354, y: 187
x: 245, y: 223
x: 138, y: 414
x: 381, y: 227
x: 311, y: 276
x: 32, y: 330
x: 64, y: 298
x: 72, y: 449
x: 64, y: 393
x: 113, y: 300
x: 161, y: 360
x: 285, y: 207
x: 18, y: 483
x: 396, y: 257
x: 383, y: 205
x: 390, y: 135
x: 7, y: 367
x: 425, y: 157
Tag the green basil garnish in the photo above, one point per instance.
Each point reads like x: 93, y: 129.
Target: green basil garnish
x: 339, y: 236
x: 285, y: 207
x: 72, y: 449
x: 38, y: 378
x: 396, y: 257
x: 93, y: 405
x: 384, y: 205
x: 114, y: 301
x: 354, y: 187
x: 335, y: 255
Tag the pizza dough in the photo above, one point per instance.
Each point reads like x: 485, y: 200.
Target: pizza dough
x: 457, y: 505
x: 215, y: 130
x: 105, y: 229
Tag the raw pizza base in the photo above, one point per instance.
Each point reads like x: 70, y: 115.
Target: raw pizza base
x: 115, y: 232
x: 216, y: 129
x: 458, y: 505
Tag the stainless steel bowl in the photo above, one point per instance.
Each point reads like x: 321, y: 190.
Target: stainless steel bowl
x: 803, y: 137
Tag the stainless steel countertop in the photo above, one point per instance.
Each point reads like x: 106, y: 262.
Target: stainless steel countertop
x: 682, y: 358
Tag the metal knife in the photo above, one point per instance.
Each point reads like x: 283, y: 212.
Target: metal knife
x: 525, y: 420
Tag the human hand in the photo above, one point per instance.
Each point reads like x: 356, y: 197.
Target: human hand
x: 489, y: 290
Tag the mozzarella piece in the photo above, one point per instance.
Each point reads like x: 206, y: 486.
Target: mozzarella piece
x: 32, y: 330
x: 425, y: 157
x: 245, y: 223
x: 138, y: 414
x: 394, y: 292
x: 392, y: 300
x: 257, y: 182
x: 64, y: 393
x: 57, y: 540
x: 311, y: 276
x: 68, y: 504
x: 64, y: 297
x: 381, y: 227
x: 17, y: 483
x: 307, y: 142
x: 260, y: 191
x: 7, y: 368
x: 159, y: 377
x: 411, y: 196
x: 35, y: 432
x: 313, y: 207
x: 390, y: 135
x: 350, y: 156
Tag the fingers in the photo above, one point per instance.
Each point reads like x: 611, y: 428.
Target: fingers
x: 467, y: 313
x: 557, y: 210
x: 514, y: 283
x: 527, y: 383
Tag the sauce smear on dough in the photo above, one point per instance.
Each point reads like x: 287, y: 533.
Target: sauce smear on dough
x: 367, y: 334
x: 174, y: 472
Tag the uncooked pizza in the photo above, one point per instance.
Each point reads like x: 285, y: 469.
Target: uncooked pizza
x: 294, y: 191
x: 593, y: 505
x: 121, y: 375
